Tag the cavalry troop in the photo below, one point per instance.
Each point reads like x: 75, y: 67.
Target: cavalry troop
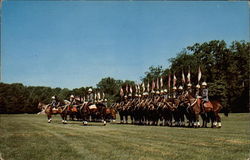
x: 153, y: 104
x: 176, y: 106
x: 93, y: 108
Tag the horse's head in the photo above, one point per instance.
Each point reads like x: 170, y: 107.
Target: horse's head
x: 41, y: 106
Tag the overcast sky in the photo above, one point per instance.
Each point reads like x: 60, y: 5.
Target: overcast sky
x: 76, y: 43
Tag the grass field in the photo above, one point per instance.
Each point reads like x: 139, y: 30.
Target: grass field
x: 29, y: 137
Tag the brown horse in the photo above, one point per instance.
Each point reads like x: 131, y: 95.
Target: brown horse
x: 211, y: 111
x: 49, y: 110
x: 93, y: 111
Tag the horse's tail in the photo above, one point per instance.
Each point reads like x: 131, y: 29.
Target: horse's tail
x: 226, y: 111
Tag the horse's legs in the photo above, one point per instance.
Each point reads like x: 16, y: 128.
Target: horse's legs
x: 218, y: 119
x: 49, y: 118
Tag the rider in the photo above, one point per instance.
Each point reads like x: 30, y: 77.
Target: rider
x: 204, y: 94
x: 189, y: 89
x: 180, y: 91
x: 54, y: 103
x: 197, y: 91
x: 90, y: 96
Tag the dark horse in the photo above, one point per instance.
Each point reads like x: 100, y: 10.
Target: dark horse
x: 94, y: 111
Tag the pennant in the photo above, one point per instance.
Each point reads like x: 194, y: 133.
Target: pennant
x: 153, y: 85
x: 161, y: 82
x: 121, y: 92
x: 126, y: 89
x: 169, y: 81
x: 139, y: 88
x: 183, y: 77
x: 157, y: 83
x: 103, y: 95
x: 199, y: 74
x: 174, y: 80
x: 130, y: 89
x: 143, y: 87
x: 98, y: 95
x: 189, y: 76
x: 148, y: 87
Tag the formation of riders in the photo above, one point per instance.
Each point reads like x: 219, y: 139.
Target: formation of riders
x: 91, y: 99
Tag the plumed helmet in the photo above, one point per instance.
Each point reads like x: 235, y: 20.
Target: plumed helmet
x: 198, y: 86
x: 165, y: 91
x: 174, y: 88
x: 71, y: 96
x: 53, y: 97
x: 90, y: 90
x: 180, y: 88
x: 204, y: 84
x: 189, y: 84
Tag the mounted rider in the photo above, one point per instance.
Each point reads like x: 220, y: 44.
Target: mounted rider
x: 180, y: 91
x: 90, y: 96
x: 204, y: 94
x: 54, y: 103
x: 197, y: 91
x: 189, y: 89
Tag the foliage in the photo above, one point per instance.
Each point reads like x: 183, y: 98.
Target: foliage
x: 225, y: 69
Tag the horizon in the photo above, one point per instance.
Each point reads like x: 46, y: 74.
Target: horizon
x: 44, y: 46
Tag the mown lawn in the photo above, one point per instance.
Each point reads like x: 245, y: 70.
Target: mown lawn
x: 29, y: 137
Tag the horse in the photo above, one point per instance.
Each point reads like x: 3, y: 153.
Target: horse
x: 93, y: 111
x: 49, y: 110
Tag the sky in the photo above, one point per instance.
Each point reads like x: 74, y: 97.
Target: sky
x: 72, y: 44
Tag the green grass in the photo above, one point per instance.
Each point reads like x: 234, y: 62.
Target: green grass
x: 29, y: 137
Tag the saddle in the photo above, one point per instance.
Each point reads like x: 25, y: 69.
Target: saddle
x: 73, y: 108
x: 93, y: 106
x: 54, y: 110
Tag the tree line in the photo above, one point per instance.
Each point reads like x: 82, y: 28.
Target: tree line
x: 224, y: 67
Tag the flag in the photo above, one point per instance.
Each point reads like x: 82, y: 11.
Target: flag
x: 169, y: 81
x: 148, y: 86
x: 174, y: 80
x: 189, y: 76
x: 157, y: 83
x: 161, y: 82
x: 143, y: 87
x: 103, y: 95
x: 183, y: 77
x: 153, y: 85
x: 130, y: 89
x: 199, y: 74
x: 121, y: 92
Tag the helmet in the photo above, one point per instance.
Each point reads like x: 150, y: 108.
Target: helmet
x: 53, y: 97
x: 153, y: 91
x: 198, y: 86
x: 180, y: 88
x: 145, y: 93
x: 72, y: 96
x: 165, y: 90
x: 105, y: 100
x: 189, y: 84
x: 90, y: 90
x: 125, y: 96
x: 136, y: 95
x: 174, y: 88
x: 130, y: 95
x: 139, y: 95
x: 162, y: 91
x: 204, y: 84
x: 157, y: 92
